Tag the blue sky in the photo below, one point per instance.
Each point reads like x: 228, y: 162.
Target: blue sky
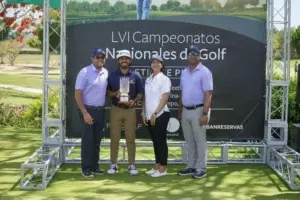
x: 295, y: 17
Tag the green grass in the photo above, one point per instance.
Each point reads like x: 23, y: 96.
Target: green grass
x: 24, y: 80
x: 35, y: 59
x: 226, y: 182
x: 85, y: 15
x: 9, y: 96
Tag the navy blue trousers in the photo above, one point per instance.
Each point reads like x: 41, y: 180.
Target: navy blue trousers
x: 91, y: 136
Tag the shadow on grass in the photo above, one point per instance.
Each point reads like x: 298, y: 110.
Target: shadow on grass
x: 17, y: 144
x: 278, y: 196
x: 225, y: 182
x: 18, y: 94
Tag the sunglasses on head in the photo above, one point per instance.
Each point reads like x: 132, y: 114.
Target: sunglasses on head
x: 193, y: 53
x: 99, y: 57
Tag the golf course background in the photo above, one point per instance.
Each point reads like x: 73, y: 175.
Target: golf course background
x: 79, y: 11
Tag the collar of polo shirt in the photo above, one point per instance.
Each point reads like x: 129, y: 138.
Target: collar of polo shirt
x: 157, y: 75
x: 95, y: 69
x: 128, y: 73
x: 199, y: 67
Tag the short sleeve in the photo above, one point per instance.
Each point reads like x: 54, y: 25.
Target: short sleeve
x: 207, y: 81
x: 166, y: 85
x: 81, y: 79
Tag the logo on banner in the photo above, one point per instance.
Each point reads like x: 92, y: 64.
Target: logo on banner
x: 173, y: 125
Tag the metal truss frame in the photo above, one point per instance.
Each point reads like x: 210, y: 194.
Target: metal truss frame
x: 56, y: 149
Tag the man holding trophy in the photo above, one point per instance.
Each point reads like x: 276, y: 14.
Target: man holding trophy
x: 125, y: 87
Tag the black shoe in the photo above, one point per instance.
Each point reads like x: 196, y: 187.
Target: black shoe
x: 97, y: 171
x: 87, y: 173
x: 200, y: 174
x: 186, y: 171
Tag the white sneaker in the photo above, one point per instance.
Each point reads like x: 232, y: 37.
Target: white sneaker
x: 132, y: 170
x: 158, y: 174
x: 152, y: 171
x: 113, y: 169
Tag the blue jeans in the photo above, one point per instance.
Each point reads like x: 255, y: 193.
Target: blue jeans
x: 143, y: 9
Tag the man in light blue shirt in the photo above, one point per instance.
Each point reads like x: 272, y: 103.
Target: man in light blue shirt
x: 196, y: 84
x: 90, y: 93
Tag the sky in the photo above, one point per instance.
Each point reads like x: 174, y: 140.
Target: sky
x: 295, y: 17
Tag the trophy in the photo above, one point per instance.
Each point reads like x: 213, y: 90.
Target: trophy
x: 124, y: 89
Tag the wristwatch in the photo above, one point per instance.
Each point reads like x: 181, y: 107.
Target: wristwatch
x: 204, y: 113
x: 155, y: 113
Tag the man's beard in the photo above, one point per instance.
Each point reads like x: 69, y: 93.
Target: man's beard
x: 124, y: 66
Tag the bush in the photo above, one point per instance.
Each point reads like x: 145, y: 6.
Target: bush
x: 11, y: 115
x: 32, y: 116
x: 28, y: 116
x: 35, y: 43
x: 12, y: 54
x: 54, y: 37
x: 3, y: 50
x: 293, y: 106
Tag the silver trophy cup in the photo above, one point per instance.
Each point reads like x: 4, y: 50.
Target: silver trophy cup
x: 124, y: 89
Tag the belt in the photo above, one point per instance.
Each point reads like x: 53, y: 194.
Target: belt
x: 122, y: 106
x: 193, y: 107
x: 94, y: 107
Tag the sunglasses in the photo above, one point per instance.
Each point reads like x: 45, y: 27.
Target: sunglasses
x: 99, y: 57
x: 193, y: 53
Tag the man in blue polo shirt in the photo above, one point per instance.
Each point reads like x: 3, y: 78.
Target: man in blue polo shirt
x: 90, y: 92
x: 123, y: 112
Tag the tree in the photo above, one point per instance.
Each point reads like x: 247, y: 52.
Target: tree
x: 278, y: 43
x: 295, y: 40
x: 54, y: 32
x: 195, y: 3
x: 4, y: 30
x: 172, y: 4
x: 73, y: 6
x: 131, y: 6
x: 104, y: 5
x: 163, y: 7
x: 95, y: 7
x: 229, y: 5
x: 253, y: 2
x: 154, y: 7
x: 3, y: 50
x: 20, y: 18
x: 13, y: 50
x: 185, y: 8
x: 85, y: 6
x: 210, y: 4
x: 119, y: 7
x: 239, y: 4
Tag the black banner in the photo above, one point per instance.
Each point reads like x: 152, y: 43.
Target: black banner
x: 236, y: 61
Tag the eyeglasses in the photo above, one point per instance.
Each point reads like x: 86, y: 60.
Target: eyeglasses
x: 99, y: 57
x: 193, y: 53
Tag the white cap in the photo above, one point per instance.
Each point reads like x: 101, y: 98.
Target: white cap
x: 123, y: 53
